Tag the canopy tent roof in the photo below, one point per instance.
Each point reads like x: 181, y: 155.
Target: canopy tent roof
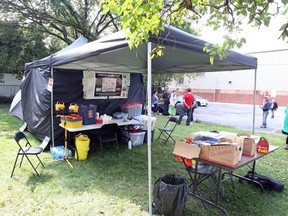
x: 183, y: 54
x: 48, y: 60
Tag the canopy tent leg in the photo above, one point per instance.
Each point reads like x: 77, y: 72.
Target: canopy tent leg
x: 51, y: 105
x: 149, y: 85
x: 254, y: 102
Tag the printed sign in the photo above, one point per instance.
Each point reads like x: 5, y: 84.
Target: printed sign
x: 50, y: 84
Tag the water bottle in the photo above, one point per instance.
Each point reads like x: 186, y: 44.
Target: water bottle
x: 57, y: 154
x: 129, y: 144
x: 105, y: 119
x: 52, y: 151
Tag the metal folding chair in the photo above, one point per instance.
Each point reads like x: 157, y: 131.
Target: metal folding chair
x: 108, y: 134
x: 196, y: 174
x: 167, y: 131
x: 26, y: 150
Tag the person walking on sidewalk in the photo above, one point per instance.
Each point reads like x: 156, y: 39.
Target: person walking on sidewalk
x: 265, y: 108
x: 188, y: 103
x: 273, y: 108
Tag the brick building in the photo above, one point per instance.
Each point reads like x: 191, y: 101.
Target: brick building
x: 238, y: 86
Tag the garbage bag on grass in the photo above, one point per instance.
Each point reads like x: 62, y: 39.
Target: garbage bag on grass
x: 170, y: 194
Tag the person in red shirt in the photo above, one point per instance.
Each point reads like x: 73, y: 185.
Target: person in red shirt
x: 188, y: 104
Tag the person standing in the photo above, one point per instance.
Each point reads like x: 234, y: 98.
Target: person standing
x: 188, y: 103
x: 273, y: 108
x: 173, y: 102
x: 193, y: 108
x: 166, y: 99
x: 285, y: 126
x: 155, y: 101
x: 265, y: 108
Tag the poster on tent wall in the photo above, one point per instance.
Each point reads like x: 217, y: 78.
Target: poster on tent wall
x: 97, y: 85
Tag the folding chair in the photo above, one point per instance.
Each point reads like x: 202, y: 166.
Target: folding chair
x: 108, y: 134
x: 166, y: 132
x: 204, y: 171
x: 26, y: 150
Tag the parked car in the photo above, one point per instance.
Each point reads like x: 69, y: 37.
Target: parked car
x: 201, y: 101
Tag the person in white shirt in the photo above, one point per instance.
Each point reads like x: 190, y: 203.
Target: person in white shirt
x: 173, y: 101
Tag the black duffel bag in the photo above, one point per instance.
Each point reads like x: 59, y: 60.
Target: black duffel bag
x: 170, y: 194
x: 266, y: 182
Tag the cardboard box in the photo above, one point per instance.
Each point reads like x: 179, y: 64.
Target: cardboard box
x: 228, y: 154
x: 248, y: 143
x: 249, y: 147
x: 186, y: 150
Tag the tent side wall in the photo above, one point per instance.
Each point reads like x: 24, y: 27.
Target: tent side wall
x: 35, y: 101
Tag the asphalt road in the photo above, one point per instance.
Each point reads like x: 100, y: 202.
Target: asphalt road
x: 240, y: 116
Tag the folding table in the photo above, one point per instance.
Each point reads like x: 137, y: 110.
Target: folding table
x: 245, y: 160
x: 119, y: 122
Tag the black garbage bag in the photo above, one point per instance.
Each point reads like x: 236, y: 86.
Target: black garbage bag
x: 170, y: 194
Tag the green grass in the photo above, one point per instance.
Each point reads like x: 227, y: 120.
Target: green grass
x: 117, y: 184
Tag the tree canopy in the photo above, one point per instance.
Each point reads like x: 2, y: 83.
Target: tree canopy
x: 33, y: 29
x: 63, y: 19
x: 19, y: 46
x: 139, y: 17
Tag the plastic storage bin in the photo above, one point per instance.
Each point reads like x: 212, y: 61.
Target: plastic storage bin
x: 133, y: 109
x: 137, y: 138
x: 72, y: 121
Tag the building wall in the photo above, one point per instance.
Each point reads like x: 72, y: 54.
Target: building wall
x: 9, y: 85
x: 238, y: 86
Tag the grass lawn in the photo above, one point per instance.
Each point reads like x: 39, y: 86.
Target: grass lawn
x: 117, y: 184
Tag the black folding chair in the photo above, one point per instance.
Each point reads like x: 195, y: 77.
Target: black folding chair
x: 26, y: 150
x: 167, y: 131
x: 108, y: 134
x: 196, y: 175
x: 204, y: 171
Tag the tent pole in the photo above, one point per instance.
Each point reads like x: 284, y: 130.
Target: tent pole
x: 254, y: 102
x: 51, y: 105
x: 149, y: 78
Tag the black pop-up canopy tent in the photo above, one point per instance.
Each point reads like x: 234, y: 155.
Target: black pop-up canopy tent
x: 183, y: 53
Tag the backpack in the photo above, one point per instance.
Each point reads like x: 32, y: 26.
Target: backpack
x: 266, y: 182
